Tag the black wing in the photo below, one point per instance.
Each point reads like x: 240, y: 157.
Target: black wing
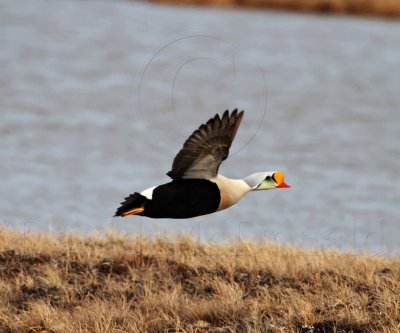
x: 204, y: 151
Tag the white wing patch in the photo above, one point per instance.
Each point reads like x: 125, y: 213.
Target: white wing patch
x: 148, y: 193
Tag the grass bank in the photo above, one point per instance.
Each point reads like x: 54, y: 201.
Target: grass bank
x: 120, y: 284
x: 386, y: 8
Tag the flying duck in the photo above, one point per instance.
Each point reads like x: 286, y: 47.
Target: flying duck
x: 196, y: 187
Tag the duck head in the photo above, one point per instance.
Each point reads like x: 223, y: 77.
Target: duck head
x: 266, y: 180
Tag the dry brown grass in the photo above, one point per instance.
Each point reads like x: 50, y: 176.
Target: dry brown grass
x: 121, y: 284
x: 387, y: 8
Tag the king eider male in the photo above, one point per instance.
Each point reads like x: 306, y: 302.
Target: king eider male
x: 196, y: 187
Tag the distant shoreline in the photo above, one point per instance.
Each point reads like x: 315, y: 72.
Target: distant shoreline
x: 377, y: 8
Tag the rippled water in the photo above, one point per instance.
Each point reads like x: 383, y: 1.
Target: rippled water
x: 97, y: 97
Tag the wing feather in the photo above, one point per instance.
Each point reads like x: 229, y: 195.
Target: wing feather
x: 203, y: 152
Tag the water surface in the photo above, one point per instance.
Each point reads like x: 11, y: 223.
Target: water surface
x: 97, y: 98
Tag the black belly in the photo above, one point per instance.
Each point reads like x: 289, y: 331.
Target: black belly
x: 181, y: 199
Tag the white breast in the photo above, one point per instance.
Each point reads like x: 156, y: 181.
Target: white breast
x: 231, y: 190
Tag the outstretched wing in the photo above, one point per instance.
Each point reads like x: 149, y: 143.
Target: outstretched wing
x: 204, y: 151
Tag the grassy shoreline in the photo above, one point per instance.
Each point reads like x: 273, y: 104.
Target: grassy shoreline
x: 121, y: 284
x: 382, y: 8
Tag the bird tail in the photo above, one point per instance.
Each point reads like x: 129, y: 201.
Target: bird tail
x: 133, y: 205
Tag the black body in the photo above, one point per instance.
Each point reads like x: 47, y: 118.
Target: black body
x: 183, y: 198
x: 190, y: 193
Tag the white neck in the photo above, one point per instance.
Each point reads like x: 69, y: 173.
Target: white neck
x: 232, y: 190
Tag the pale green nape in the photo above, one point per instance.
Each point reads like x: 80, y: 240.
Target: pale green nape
x: 267, y: 184
x: 261, y: 181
